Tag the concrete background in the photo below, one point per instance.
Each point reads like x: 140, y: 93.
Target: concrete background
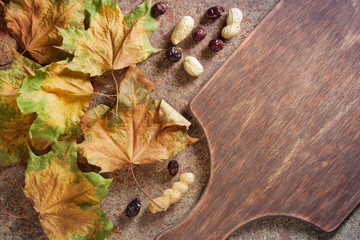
x: 178, y: 88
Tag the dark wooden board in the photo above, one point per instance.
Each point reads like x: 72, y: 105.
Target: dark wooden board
x: 282, y: 119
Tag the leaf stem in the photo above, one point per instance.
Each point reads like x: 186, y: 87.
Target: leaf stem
x: 12, y: 215
x: 1, y: 65
x: 47, y: 145
x: 103, y: 94
x: 133, y: 175
x: 24, y: 52
x: 117, y: 93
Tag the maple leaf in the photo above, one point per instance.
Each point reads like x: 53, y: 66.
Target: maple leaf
x: 112, y: 41
x: 33, y: 25
x: 66, y: 200
x: 14, y: 126
x: 144, y: 131
x: 59, y: 96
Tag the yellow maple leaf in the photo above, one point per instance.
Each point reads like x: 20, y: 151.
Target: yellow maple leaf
x: 14, y: 126
x: 144, y: 131
x: 112, y: 41
x: 66, y: 200
x: 59, y: 96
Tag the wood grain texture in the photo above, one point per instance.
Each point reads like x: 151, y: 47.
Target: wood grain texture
x: 282, y: 119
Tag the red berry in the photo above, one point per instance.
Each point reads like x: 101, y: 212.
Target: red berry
x: 214, y: 12
x: 216, y: 45
x: 133, y: 208
x: 173, y: 54
x: 198, y: 34
x: 159, y: 9
x: 173, y: 167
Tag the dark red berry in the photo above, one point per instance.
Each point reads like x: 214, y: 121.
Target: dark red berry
x: 173, y: 167
x: 133, y: 208
x: 216, y: 45
x: 214, y: 12
x: 198, y: 34
x: 159, y: 9
x: 173, y: 54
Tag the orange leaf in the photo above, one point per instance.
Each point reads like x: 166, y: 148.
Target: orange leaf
x: 33, y: 25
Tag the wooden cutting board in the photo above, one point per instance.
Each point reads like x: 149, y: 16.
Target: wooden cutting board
x: 282, y: 119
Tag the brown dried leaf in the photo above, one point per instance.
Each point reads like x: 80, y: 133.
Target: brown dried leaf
x: 144, y: 131
x: 33, y: 23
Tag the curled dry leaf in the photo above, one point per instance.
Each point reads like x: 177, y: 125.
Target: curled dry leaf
x: 112, y: 41
x: 14, y: 126
x: 66, y: 200
x: 33, y: 23
x: 144, y: 131
x: 59, y: 96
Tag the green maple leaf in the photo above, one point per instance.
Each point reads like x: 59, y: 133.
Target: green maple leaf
x: 59, y: 96
x: 112, y: 41
x: 66, y: 200
x: 14, y: 126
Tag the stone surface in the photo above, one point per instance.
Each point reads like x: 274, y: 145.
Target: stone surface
x: 178, y: 88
